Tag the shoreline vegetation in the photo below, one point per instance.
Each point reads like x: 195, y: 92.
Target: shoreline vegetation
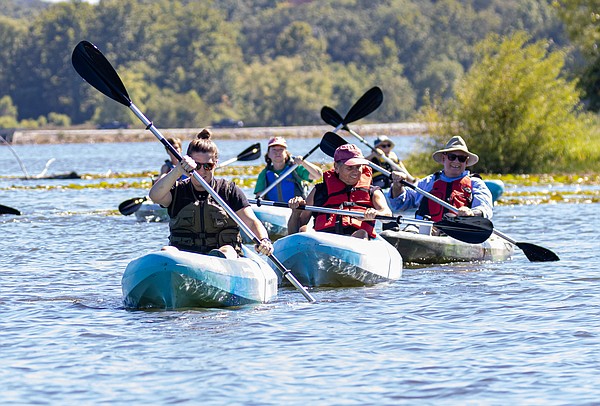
x: 526, y: 189
x: 64, y: 136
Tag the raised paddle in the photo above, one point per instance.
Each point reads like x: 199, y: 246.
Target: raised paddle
x: 249, y: 154
x: 9, y: 210
x: 468, y: 229
x: 93, y: 66
x: 365, y: 105
x: 332, y: 117
x: 533, y: 252
x: 130, y: 206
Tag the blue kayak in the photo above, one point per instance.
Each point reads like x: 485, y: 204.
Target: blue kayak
x: 324, y: 259
x: 496, y: 187
x: 173, y: 279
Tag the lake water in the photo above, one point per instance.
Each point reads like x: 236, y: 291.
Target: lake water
x: 492, y: 333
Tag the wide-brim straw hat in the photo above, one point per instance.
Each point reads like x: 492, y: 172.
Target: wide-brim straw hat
x: 384, y: 138
x: 456, y: 143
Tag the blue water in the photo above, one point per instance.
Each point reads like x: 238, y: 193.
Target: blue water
x: 492, y: 333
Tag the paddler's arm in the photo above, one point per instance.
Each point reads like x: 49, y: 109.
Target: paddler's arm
x: 249, y: 218
x: 299, y: 218
x: 313, y: 170
x: 161, y: 191
x: 380, y: 205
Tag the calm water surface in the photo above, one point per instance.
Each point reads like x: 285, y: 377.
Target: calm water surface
x: 491, y: 333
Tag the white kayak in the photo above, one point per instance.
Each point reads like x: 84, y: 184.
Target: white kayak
x: 274, y: 219
x: 150, y: 212
x: 427, y: 249
x: 324, y: 259
x: 174, y: 279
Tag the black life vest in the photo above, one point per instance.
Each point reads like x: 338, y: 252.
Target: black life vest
x: 203, y: 225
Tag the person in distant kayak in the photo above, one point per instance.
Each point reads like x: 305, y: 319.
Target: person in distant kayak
x: 348, y: 186
x: 278, y: 160
x: 198, y: 223
x: 172, y: 161
x: 453, y: 184
x: 384, y: 145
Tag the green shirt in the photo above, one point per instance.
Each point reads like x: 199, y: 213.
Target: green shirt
x: 261, y: 181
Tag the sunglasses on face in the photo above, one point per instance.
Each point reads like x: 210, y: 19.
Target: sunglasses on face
x: 385, y: 145
x: 208, y: 166
x: 453, y: 157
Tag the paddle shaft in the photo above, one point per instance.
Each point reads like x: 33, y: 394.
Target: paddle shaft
x: 327, y: 210
x: 466, y: 232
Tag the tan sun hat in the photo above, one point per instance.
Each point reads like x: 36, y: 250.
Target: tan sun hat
x: 456, y: 143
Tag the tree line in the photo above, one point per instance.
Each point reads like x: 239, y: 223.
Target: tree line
x: 267, y: 62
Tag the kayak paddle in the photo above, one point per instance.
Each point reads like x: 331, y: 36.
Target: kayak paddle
x: 472, y: 230
x: 332, y: 117
x: 95, y: 69
x: 130, y: 206
x: 9, y: 210
x: 249, y: 154
x: 533, y: 252
x: 365, y: 105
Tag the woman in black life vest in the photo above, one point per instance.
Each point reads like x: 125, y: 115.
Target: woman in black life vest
x: 198, y: 223
x: 348, y: 187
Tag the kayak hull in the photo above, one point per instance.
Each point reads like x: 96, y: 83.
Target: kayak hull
x: 323, y: 259
x: 496, y: 187
x: 174, y: 279
x: 426, y: 249
x: 151, y: 213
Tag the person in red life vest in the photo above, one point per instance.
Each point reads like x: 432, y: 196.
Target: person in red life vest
x: 348, y: 186
x: 198, y: 223
x: 278, y: 160
x: 453, y: 184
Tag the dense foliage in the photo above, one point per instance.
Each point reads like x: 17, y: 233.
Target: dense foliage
x: 513, y: 108
x: 268, y: 62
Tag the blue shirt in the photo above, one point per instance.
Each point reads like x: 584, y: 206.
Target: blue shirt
x: 411, y: 199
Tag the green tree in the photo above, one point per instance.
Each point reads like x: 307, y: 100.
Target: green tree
x: 513, y: 108
x: 45, y: 80
x: 582, y: 21
x: 281, y: 93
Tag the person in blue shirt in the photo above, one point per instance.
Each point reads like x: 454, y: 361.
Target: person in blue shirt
x: 278, y: 160
x: 453, y: 184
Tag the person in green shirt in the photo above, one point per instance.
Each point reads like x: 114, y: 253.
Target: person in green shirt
x: 278, y: 160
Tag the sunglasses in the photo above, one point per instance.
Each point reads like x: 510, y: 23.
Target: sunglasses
x: 208, y: 166
x: 461, y: 158
x: 384, y: 145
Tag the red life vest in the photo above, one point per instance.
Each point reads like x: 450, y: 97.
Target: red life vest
x: 334, y: 193
x: 458, y: 193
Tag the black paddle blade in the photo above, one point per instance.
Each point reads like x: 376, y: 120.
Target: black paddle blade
x: 251, y: 153
x: 535, y: 253
x: 368, y: 103
x: 131, y: 206
x: 9, y: 210
x: 331, y: 117
x: 472, y: 230
x: 95, y: 69
x: 330, y: 142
